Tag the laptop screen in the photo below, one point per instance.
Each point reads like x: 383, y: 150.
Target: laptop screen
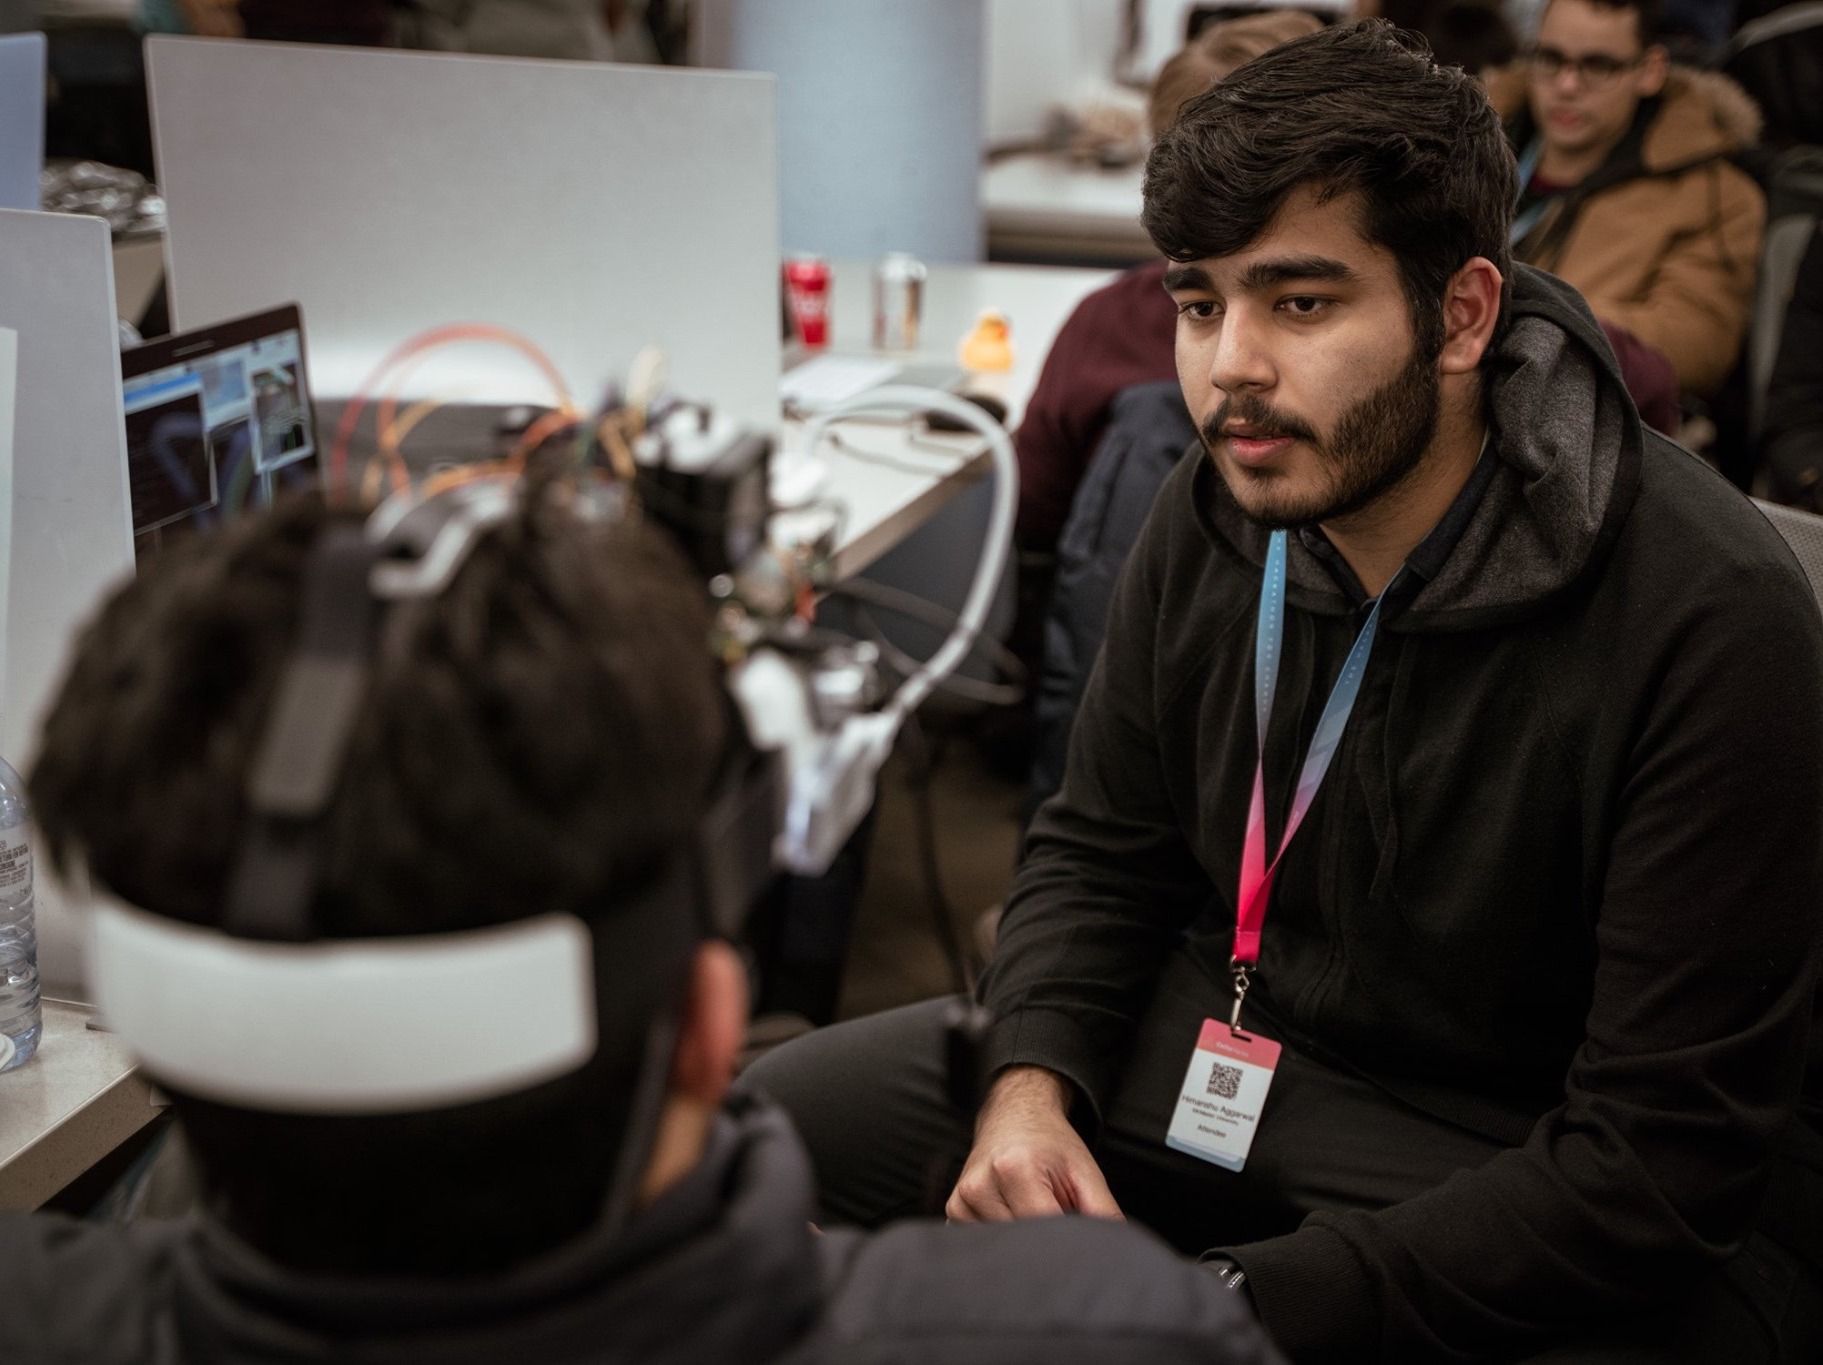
x: 218, y: 422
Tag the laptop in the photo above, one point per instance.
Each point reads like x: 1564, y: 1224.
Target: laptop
x: 219, y: 422
x: 21, y: 119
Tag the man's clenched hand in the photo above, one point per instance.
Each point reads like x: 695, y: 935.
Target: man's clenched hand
x: 1028, y: 1162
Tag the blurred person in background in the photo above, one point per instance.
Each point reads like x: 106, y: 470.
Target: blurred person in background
x: 582, y: 30
x: 587, y: 30
x: 1627, y: 190
x: 579, y: 29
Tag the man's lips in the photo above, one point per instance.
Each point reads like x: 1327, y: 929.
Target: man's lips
x: 1250, y: 446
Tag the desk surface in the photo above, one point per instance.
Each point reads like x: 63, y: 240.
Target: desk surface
x: 68, y: 1107
x: 1036, y: 299
x: 907, y: 475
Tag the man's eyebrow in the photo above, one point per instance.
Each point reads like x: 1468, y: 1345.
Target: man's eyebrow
x: 1265, y: 274
x: 1284, y: 269
x: 1186, y: 277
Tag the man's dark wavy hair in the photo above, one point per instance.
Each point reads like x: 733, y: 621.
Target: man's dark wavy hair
x: 1357, y: 109
x: 539, y: 737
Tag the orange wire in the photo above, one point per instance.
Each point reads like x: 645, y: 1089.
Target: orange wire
x: 536, y: 434
x: 468, y: 473
x: 432, y: 339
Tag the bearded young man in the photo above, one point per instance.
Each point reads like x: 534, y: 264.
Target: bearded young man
x: 1520, y: 1069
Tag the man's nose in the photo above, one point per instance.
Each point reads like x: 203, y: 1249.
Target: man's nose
x: 1243, y: 356
x: 1568, y: 78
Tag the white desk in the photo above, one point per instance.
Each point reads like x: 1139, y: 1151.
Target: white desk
x: 1043, y: 205
x: 917, y: 473
x: 1035, y: 298
x: 67, y: 1108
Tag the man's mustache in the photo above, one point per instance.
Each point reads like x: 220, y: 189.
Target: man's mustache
x: 1257, y: 413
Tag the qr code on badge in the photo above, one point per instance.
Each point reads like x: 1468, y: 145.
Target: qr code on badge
x: 1224, y: 1081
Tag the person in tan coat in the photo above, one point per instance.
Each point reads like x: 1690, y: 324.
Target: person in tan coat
x: 1628, y: 193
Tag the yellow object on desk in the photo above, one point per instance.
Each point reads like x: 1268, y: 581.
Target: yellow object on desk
x: 989, y: 346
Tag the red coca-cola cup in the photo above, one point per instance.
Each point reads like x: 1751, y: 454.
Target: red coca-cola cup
x: 807, y: 293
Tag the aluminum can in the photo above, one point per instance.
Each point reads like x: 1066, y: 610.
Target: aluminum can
x: 807, y: 294
x: 898, y: 301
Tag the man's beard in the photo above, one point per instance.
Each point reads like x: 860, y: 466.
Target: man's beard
x: 1375, y: 444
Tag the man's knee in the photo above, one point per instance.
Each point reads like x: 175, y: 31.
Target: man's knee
x: 890, y: 1058
x: 871, y: 1099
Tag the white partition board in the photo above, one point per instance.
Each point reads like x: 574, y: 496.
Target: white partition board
x: 72, y: 529
x: 21, y: 119
x: 593, y: 207
x: 879, y: 117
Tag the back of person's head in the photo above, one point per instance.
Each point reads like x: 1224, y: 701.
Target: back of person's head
x: 1358, y: 109
x: 1213, y: 53
x: 542, y: 736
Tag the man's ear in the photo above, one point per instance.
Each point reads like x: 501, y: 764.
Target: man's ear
x: 1654, y: 69
x: 1471, y: 308
x: 713, y: 1026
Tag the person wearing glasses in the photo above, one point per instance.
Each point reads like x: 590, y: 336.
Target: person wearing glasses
x: 1627, y: 191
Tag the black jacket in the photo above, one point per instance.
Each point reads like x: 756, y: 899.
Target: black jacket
x: 1147, y: 430
x: 1562, y: 884
x: 723, y: 1267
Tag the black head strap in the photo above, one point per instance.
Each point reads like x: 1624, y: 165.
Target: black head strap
x: 301, y: 753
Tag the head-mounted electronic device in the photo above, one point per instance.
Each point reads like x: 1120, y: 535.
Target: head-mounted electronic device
x: 264, y: 1013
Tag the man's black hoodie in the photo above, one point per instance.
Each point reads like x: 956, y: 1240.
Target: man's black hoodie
x: 1563, y: 884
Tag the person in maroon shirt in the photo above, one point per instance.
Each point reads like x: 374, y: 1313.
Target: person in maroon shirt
x: 1119, y: 336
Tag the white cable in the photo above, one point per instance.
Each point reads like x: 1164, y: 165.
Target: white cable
x: 996, y: 545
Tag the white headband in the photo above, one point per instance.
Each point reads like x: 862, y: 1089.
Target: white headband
x: 351, y: 1026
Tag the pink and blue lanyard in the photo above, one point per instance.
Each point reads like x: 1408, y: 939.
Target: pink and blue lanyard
x: 1256, y: 873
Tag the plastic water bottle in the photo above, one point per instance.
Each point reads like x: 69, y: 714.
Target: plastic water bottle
x: 20, y: 1017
